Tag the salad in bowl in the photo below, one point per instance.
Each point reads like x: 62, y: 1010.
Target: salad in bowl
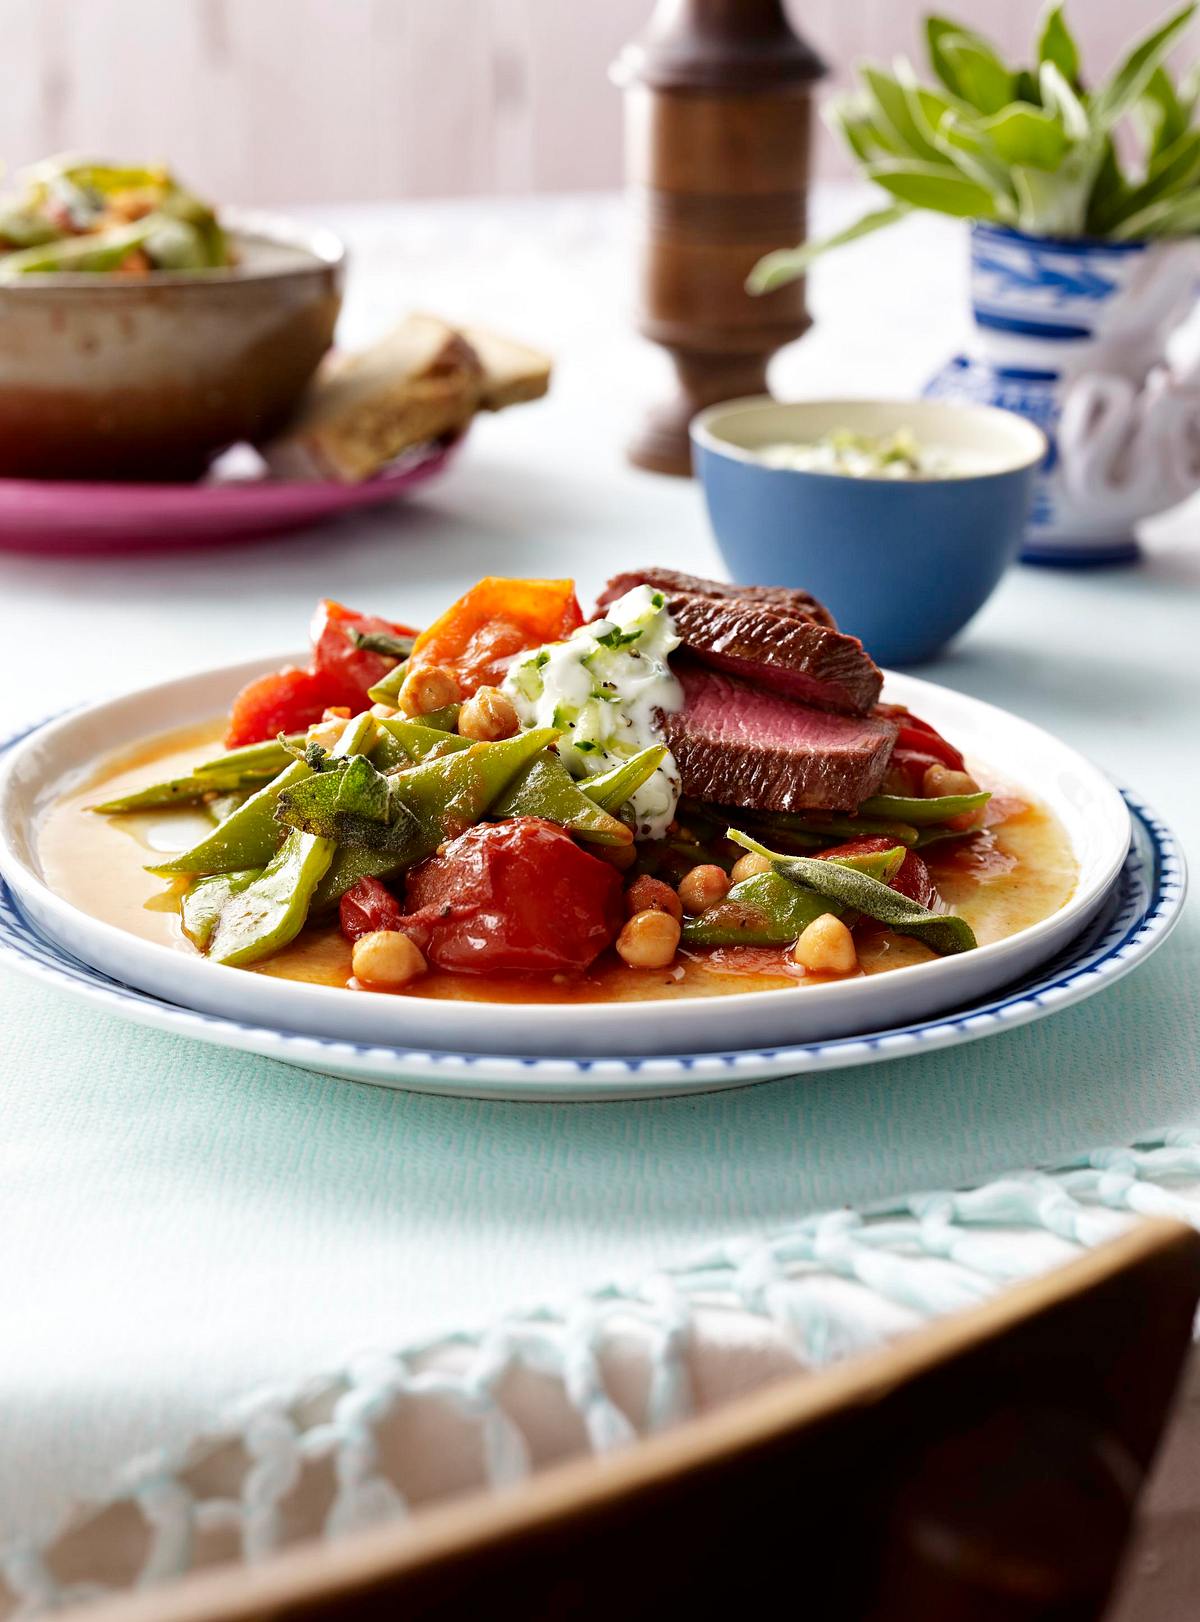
x: 695, y: 790
x: 77, y: 214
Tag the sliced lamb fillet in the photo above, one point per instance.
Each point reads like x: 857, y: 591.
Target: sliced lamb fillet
x: 738, y: 745
x: 674, y: 580
x: 783, y: 651
x: 768, y: 634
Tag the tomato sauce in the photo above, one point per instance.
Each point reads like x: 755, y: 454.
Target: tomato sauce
x: 1016, y: 872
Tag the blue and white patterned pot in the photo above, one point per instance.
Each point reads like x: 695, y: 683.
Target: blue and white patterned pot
x: 1072, y: 333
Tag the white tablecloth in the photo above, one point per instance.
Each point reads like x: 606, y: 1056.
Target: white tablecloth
x: 169, y: 1243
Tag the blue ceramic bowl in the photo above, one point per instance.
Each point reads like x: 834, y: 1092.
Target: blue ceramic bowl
x: 902, y: 564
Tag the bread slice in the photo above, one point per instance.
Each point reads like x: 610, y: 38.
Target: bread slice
x: 421, y: 381
x: 512, y: 372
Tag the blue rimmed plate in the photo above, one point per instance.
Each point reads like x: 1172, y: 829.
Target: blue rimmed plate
x: 1138, y: 912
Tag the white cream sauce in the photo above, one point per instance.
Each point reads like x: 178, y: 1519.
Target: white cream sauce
x: 606, y: 688
x: 865, y: 456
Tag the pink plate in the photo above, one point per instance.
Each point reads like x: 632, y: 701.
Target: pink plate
x: 42, y: 515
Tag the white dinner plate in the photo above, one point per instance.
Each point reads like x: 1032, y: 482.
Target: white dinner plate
x: 57, y: 754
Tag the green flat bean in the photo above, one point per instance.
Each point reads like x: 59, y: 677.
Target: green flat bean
x: 387, y: 689
x: 831, y: 829
x: 546, y: 789
x: 177, y: 791
x: 921, y: 813
x: 445, y: 719
x: 413, y: 741
x: 938, y: 835
x: 428, y: 804
x: 224, y: 805
x: 255, y: 921
x: 766, y: 909
x: 611, y: 789
x: 241, y: 769
x: 201, y: 906
x: 262, y: 759
x: 271, y: 911
x: 250, y: 836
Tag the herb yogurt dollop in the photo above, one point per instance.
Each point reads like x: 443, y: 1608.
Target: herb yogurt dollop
x: 606, y: 688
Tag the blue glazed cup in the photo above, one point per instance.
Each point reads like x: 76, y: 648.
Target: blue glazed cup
x: 902, y: 564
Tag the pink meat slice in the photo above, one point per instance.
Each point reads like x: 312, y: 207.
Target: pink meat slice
x: 771, y: 635
x: 741, y: 745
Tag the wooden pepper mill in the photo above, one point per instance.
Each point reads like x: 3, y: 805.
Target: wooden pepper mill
x: 717, y: 97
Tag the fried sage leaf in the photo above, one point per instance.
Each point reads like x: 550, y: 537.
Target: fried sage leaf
x: 384, y: 642
x: 771, y: 909
x: 942, y: 932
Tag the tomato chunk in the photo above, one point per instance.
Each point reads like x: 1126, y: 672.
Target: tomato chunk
x: 368, y: 906
x: 912, y: 878
x: 514, y: 895
x: 287, y: 701
x: 349, y: 670
x: 918, y: 740
x: 338, y: 675
x: 479, y: 635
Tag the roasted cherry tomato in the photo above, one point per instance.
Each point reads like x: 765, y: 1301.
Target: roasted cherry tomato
x: 338, y: 674
x: 368, y: 906
x: 912, y: 878
x: 479, y: 635
x: 287, y: 701
x: 514, y: 895
x: 918, y: 745
x: 349, y: 670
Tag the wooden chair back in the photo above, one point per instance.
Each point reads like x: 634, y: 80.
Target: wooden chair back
x: 983, y: 1469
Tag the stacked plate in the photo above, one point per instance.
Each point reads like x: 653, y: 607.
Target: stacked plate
x: 1128, y: 896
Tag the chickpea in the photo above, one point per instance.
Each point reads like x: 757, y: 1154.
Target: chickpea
x: 826, y: 947
x: 703, y: 887
x: 649, y: 940
x: 326, y: 734
x: 386, y: 959
x: 748, y: 865
x: 940, y: 780
x: 488, y: 716
x: 429, y: 688
x: 652, y: 895
x: 896, y: 781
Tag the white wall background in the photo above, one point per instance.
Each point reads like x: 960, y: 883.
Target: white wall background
x: 288, y: 101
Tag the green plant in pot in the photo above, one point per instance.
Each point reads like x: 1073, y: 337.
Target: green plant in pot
x: 1084, y: 205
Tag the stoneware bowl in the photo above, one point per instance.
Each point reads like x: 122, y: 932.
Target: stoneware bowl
x: 902, y: 563
x: 111, y: 378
